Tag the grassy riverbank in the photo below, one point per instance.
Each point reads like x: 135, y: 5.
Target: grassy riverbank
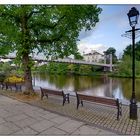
x: 122, y: 75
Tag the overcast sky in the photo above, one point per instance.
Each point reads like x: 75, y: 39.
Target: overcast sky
x: 107, y: 33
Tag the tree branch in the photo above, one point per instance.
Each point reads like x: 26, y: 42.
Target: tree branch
x: 46, y: 25
x: 31, y: 13
x: 47, y: 41
x: 17, y: 19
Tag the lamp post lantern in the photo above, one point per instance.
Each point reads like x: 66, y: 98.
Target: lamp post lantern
x: 133, y: 20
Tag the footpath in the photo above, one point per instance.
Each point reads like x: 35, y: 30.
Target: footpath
x: 49, y: 117
x: 18, y: 118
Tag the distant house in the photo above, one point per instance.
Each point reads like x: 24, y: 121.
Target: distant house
x: 94, y: 56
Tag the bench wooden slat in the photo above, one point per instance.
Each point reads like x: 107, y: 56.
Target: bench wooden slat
x: 52, y: 92
x: 101, y: 100
x: 46, y: 92
x: 98, y: 99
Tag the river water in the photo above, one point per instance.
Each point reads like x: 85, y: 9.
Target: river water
x: 90, y: 85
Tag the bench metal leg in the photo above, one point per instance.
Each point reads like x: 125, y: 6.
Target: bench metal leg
x: 18, y: 88
x: 42, y: 95
x: 81, y: 102
x: 77, y: 104
x: 118, y: 115
x: 63, y: 102
x: 119, y: 112
x: 66, y: 98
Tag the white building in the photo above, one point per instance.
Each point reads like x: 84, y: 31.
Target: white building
x: 94, y: 56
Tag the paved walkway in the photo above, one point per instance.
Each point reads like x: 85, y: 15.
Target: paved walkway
x: 18, y: 118
x: 100, y: 116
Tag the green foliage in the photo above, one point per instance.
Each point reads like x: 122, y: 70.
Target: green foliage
x: 5, y: 67
x: 2, y: 77
x: 125, y: 67
x: 128, y: 51
x: 49, y: 29
x: 42, y: 68
x: 78, y: 56
x: 57, y: 68
x: 112, y: 51
x: 62, y: 68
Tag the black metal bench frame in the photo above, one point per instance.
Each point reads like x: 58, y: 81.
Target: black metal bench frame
x: 8, y: 85
x: 46, y: 92
x: 102, y: 100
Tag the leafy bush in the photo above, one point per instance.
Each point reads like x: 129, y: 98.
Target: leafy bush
x: 125, y: 67
x: 14, y: 79
x: 2, y: 77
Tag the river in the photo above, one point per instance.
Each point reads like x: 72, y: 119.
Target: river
x: 99, y: 86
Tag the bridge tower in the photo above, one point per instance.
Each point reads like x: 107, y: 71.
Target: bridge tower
x: 110, y: 62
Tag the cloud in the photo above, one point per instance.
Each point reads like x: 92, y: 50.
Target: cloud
x: 85, y: 47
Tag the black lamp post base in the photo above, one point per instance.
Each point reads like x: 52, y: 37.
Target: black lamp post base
x: 133, y: 111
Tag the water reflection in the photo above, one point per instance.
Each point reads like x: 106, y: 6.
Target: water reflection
x: 99, y: 86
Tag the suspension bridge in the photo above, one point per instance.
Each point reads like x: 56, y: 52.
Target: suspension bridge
x: 71, y: 61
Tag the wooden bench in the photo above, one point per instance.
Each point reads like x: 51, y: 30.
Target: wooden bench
x: 46, y: 92
x: 8, y: 85
x: 102, y: 100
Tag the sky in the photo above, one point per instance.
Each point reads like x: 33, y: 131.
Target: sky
x: 113, y: 22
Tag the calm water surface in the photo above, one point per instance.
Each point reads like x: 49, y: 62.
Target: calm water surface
x: 99, y: 86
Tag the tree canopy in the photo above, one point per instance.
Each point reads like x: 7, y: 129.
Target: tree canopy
x: 112, y: 51
x: 128, y: 51
x: 49, y: 29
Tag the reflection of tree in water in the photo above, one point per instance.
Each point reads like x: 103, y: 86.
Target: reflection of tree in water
x: 106, y: 88
x: 67, y: 81
x: 127, y: 88
x: 90, y: 85
x: 40, y: 76
x: 75, y: 82
x: 84, y: 82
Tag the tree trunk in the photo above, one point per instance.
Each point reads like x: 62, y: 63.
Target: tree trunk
x: 25, y: 53
x: 27, y: 75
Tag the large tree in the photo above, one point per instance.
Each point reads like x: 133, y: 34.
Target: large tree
x: 112, y: 51
x: 128, y: 51
x: 51, y: 29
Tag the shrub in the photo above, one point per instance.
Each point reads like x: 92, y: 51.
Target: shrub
x: 14, y: 79
x: 2, y: 77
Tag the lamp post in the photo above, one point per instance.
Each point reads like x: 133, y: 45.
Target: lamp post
x: 133, y: 20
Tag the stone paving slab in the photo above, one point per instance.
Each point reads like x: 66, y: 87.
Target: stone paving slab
x: 59, y: 119
x: 42, y: 125
x: 103, y: 117
x: 26, y: 131
x: 53, y: 131
x: 27, y: 123
x: 70, y: 126
x: 8, y: 128
x: 90, y: 131
x: 2, y: 120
